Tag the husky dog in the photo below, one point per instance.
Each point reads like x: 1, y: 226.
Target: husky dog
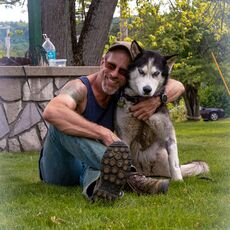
x: 152, y: 143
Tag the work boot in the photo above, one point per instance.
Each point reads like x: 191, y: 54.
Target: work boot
x: 115, y: 166
x: 143, y: 185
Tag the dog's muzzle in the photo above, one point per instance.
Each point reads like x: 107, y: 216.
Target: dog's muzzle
x: 147, y: 90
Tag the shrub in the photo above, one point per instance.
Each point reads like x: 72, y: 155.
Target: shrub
x: 215, y: 96
x: 177, y: 111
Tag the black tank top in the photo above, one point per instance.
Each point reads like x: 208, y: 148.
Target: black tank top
x: 94, y: 112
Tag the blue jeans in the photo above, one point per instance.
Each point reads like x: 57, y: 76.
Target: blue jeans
x: 67, y: 160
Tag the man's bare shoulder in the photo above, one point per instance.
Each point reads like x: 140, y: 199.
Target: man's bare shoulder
x: 75, y: 89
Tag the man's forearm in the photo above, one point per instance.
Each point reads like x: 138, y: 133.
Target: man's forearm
x: 76, y: 125
x: 173, y: 90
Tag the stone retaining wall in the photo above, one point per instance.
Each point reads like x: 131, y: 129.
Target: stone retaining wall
x: 22, y: 100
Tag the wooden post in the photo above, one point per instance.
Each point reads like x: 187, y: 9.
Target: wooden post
x: 220, y: 72
x: 35, y: 31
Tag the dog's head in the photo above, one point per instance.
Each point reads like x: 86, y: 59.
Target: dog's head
x: 149, y: 71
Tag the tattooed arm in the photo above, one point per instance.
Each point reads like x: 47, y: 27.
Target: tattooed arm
x: 64, y: 112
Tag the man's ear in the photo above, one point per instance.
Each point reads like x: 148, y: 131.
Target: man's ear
x: 102, y: 60
x: 135, y: 49
x: 171, y: 61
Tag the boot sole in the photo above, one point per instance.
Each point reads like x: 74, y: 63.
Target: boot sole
x: 116, y: 163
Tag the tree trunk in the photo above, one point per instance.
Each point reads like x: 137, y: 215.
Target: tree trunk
x: 192, y: 102
x: 58, y: 22
x: 94, y: 34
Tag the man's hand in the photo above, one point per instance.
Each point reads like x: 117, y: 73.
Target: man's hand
x: 108, y: 137
x: 145, y: 109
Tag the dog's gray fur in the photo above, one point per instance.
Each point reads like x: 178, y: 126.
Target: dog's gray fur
x: 153, y: 142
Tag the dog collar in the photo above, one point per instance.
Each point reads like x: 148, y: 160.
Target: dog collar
x: 136, y: 99
x: 133, y: 99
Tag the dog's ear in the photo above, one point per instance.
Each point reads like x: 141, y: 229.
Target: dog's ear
x: 171, y: 61
x: 135, y: 49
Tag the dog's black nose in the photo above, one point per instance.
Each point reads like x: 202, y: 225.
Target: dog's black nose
x: 147, y: 89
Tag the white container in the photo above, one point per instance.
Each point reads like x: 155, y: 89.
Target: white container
x: 57, y: 62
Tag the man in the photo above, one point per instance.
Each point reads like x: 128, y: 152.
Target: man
x: 81, y: 147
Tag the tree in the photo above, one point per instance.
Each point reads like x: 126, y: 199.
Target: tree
x: 58, y: 22
x: 192, y: 29
x: 94, y: 34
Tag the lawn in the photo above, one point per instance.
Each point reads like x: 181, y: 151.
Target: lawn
x: 27, y: 203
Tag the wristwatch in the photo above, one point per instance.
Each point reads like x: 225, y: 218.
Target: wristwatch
x: 163, y: 98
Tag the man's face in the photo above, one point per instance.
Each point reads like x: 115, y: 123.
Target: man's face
x: 115, y: 70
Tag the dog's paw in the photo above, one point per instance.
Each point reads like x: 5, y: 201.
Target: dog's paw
x: 176, y: 175
x: 177, y: 179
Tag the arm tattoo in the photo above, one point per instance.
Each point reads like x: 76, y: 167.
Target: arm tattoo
x: 76, y: 92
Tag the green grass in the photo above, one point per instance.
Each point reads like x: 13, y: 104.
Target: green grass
x: 26, y: 203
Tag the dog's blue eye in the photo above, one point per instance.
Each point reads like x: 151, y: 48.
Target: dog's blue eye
x: 155, y: 74
x: 141, y: 71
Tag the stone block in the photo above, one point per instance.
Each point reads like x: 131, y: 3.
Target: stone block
x: 57, y: 92
x: 3, y: 144
x: 12, y: 110
x: 30, y: 141
x: 28, y: 118
x: 60, y: 81
x: 4, y: 127
x: 10, y: 89
x: 39, y: 89
x: 14, y: 145
x: 43, y: 104
x: 42, y: 129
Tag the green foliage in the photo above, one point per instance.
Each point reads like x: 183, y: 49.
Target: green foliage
x: 188, y: 29
x: 177, y: 111
x: 112, y: 39
x: 27, y: 203
x: 215, y: 96
x: 193, y: 29
x: 19, y: 38
x: 125, y: 9
x: 114, y: 29
x: 212, y: 91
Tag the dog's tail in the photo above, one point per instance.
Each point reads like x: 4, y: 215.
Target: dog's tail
x: 194, y: 168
